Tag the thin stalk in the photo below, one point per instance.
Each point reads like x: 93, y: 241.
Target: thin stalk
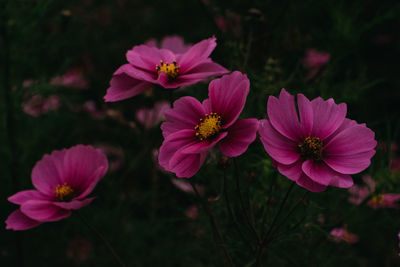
x: 106, y: 243
x: 217, y: 232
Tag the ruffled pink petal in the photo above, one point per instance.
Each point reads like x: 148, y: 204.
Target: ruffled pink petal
x: 175, y: 44
x: 147, y: 58
x: 43, y: 211
x: 240, y: 135
x: 123, y: 85
x: 48, y: 172
x: 306, y: 114
x: 198, y: 52
x: 324, y: 175
x: 92, y: 181
x: 203, y: 146
x: 83, y: 166
x: 280, y: 148
x: 283, y: 116
x: 18, y: 221
x: 26, y: 195
x: 203, y: 71
x: 350, y: 164
x: 328, y: 116
x: 74, y: 204
x: 173, y: 143
x: 185, y: 114
x: 292, y: 171
x: 309, y: 184
x: 228, y: 96
x: 186, y: 165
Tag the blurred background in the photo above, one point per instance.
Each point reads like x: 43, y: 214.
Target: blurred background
x: 57, y: 58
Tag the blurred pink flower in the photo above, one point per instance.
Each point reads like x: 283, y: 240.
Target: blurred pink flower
x: 358, y: 193
x: 150, y: 117
x: 62, y: 180
x: 39, y: 105
x: 321, y: 149
x: 314, y: 60
x: 384, y: 201
x: 91, y: 108
x: 186, y: 187
x: 341, y: 234
x: 149, y: 65
x: 74, y: 78
x: 173, y: 43
x: 193, y: 128
x: 192, y: 212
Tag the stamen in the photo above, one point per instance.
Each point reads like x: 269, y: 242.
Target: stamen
x: 311, y: 148
x: 171, y: 70
x: 208, y: 127
x: 64, y: 192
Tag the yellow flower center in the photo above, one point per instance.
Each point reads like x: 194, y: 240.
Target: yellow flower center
x: 311, y: 148
x: 378, y: 199
x: 171, y: 70
x: 64, y: 192
x: 208, y: 126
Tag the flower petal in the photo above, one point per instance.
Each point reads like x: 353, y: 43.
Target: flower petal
x: 203, y: 71
x: 198, y: 52
x: 328, y: 116
x: 18, y: 221
x: 309, y: 184
x: 146, y: 58
x: 186, y: 165
x: 240, y: 135
x: 26, y: 195
x: 280, y: 148
x: 185, y: 114
x: 175, y: 44
x: 74, y: 204
x: 350, y: 164
x: 283, y: 116
x: 324, y: 175
x: 43, y: 211
x: 123, y: 85
x: 292, y: 171
x: 228, y: 96
x: 203, y: 146
x: 306, y: 114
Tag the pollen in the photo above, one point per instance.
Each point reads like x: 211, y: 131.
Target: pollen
x: 64, y: 192
x: 311, y: 148
x: 172, y: 70
x: 378, y: 199
x: 208, y: 126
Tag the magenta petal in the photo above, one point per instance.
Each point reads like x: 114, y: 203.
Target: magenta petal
x: 306, y: 114
x: 26, y: 195
x: 18, y: 221
x: 74, y: 204
x: 198, y: 52
x: 328, y: 116
x: 203, y: 146
x: 309, y: 184
x: 47, y: 173
x: 280, y: 148
x: 203, y: 71
x: 292, y: 171
x: 228, y: 96
x: 43, y: 211
x: 207, y: 106
x: 83, y: 166
x: 318, y: 172
x: 185, y: 114
x: 91, y: 182
x: 147, y: 58
x: 175, y: 44
x: 186, y: 165
x: 173, y: 143
x: 350, y: 164
x: 123, y: 85
x: 283, y: 115
x: 240, y: 135
x: 342, y: 181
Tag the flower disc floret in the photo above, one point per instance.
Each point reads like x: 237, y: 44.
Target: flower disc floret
x: 64, y: 192
x: 311, y: 148
x: 172, y: 70
x: 208, y: 126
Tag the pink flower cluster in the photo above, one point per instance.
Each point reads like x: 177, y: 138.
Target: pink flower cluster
x: 341, y: 234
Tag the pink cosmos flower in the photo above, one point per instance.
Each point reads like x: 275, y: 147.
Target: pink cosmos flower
x: 149, y: 65
x: 341, y: 234
x: 74, y: 78
x: 150, y: 117
x: 314, y: 60
x: 39, y: 105
x: 192, y: 128
x: 173, y: 43
x: 358, y: 193
x: 385, y: 201
x: 321, y: 149
x: 62, y: 180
